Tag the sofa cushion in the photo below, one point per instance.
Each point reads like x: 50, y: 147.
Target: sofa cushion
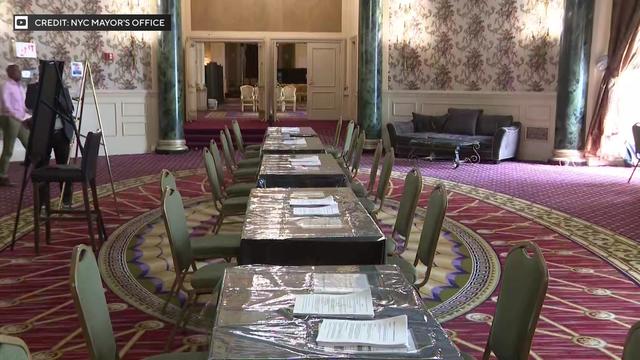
x: 428, y: 123
x: 403, y: 127
x: 462, y: 121
x: 489, y: 124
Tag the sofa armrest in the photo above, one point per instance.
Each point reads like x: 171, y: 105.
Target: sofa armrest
x: 506, y: 142
x: 396, y: 129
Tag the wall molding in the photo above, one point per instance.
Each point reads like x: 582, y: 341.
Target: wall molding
x: 535, y: 110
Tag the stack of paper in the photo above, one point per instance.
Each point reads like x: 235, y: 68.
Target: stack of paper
x: 391, y: 333
x: 354, y: 305
x: 325, y: 201
x: 339, y: 283
x: 305, y: 161
x: 320, y: 223
x: 329, y: 210
x: 290, y: 130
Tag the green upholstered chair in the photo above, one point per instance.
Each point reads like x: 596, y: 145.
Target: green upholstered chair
x: 218, y: 246
x: 632, y: 344
x: 375, y: 205
x: 358, y: 188
x: 356, y: 156
x: 436, y: 210
x: 404, y: 222
x: 386, y: 139
x: 338, y: 152
x: 91, y: 306
x: 244, y: 162
x: 13, y: 348
x: 524, y: 285
x: 225, y: 205
x: 239, y: 174
x: 247, y: 151
x: 232, y: 189
x: 336, y: 136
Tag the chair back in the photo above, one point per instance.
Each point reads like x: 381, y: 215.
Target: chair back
x: 212, y: 176
x: 175, y: 222
x: 336, y: 136
x: 636, y: 138
x: 357, y: 155
x: 348, y: 138
x: 386, y: 139
x: 348, y: 157
x: 408, y: 203
x: 289, y: 92
x: 232, y: 148
x: 524, y: 286
x: 13, y: 348
x: 374, y: 166
x: 256, y: 92
x: 632, y: 344
x: 238, y: 135
x: 226, y: 152
x: 167, y: 180
x: 217, y: 160
x: 91, y: 304
x: 279, y: 93
x: 89, y: 163
x: 431, y: 227
x: 385, y: 176
x: 246, y: 92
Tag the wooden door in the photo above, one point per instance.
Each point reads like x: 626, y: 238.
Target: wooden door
x: 324, y: 87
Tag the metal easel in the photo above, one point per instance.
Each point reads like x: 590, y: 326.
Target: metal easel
x: 79, y: 111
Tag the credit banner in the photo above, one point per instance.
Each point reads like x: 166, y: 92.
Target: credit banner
x: 129, y: 22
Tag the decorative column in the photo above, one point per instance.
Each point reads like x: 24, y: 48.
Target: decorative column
x: 573, y: 78
x: 370, y: 68
x: 171, y: 82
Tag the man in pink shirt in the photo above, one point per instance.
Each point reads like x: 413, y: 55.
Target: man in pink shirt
x: 13, y: 113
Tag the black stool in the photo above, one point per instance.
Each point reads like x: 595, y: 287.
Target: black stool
x: 85, y: 174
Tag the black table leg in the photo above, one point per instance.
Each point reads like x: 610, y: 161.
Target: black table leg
x: 456, y: 158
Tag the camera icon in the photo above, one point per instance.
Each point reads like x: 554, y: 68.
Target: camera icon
x: 20, y: 22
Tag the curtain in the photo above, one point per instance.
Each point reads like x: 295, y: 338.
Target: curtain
x: 625, y: 22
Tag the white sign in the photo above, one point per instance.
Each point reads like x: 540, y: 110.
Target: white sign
x: 26, y: 50
x: 77, y: 70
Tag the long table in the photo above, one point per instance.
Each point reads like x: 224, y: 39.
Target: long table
x: 292, y: 145
x: 254, y: 317
x: 272, y: 234
x: 283, y: 171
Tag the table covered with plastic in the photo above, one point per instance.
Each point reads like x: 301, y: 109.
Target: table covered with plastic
x: 292, y: 171
x: 254, y: 315
x: 292, y: 145
x: 303, y: 131
x: 273, y: 235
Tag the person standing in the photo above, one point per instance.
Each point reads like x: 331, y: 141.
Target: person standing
x: 13, y: 114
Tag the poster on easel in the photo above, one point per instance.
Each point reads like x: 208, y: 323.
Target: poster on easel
x: 77, y: 69
x: 25, y: 50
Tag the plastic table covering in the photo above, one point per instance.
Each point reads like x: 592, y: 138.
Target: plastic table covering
x: 277, y: 171
x: 254, y: 315
x: 276, y: 145
x: 271, y: 234
x: 304, y: 131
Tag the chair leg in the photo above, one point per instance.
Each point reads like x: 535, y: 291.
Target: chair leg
x: 218, y: 224
x: 633, y: 172
x: 177, y: 281
x: 36, y: 217
x: 87, y: 212
x: 183, y: 311
x: 102, y: 231
x: 47, y: 215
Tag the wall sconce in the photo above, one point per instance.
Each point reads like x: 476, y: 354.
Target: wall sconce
x: 544, y: 21
x: 405, y: 32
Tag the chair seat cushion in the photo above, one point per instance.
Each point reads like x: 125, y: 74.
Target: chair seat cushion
x: 407, y: 269
x: 249, y: 163
x: 253, y: 148
x: 54, y: 173
x: 368, y: 204
x: 335, y: 152
x: 215, y: 246
x: 391, y: 246
x: 208, y: 276
x: 239, y: 189
x: 359, y: 189
x: 181, y: 356
x: 235, y: 205
x: 250, y: 172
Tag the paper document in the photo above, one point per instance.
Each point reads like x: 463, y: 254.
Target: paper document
x: 329, y: 210
x: 298, y: 141
x: 320, y: 222
x: 339, y: 283
x: 390, y: 332
x: 325, y: 201
x: 374, y: 349
x: 354, y: 305
x: 290, y: 130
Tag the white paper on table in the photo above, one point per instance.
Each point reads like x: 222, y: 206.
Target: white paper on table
x: 334, y: 283
x: 411, y: 347
x: 290, y: 129
x: 325, y: 201
x: 320, y: 223
x: 391, y: 332
x: 354, y: 305
x: 306, y: 163
x: 307, y: 160
x: 294, y: 141
x: 329, y: 210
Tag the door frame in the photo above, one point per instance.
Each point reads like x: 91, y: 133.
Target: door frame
x: 261, y: 60
x: 287, y: 40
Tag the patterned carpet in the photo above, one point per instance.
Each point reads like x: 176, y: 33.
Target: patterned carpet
x: 589, y: 307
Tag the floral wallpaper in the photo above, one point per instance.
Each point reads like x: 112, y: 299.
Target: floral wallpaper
x: 131, y: 67
x: 474, y: 45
